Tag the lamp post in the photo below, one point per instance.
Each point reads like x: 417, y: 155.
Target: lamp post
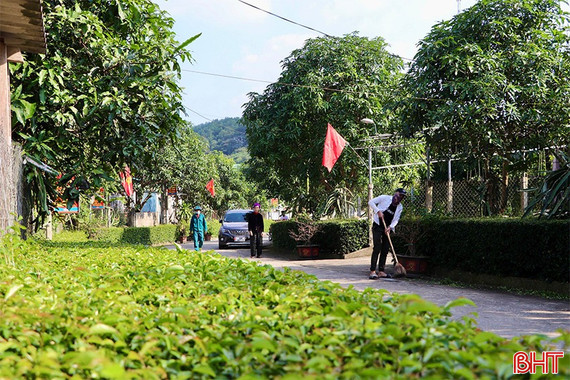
x: 370, y: 184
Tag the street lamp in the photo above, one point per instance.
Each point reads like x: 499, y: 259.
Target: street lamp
x: 369, y: 121
x: 370, y: 184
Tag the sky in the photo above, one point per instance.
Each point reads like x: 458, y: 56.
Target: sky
x: 240, y: 41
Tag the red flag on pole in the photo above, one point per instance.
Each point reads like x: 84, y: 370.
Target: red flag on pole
x: 210, y: 187
x: 127, y: 181
x: 334, y: 144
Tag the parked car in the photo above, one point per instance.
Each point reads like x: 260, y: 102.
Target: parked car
x: 234, y: 229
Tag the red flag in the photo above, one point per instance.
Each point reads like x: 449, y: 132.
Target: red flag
x: 210, y: 187
x: 127, y: 181
x: 334, y: 144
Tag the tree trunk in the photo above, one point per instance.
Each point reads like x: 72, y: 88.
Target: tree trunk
x: 504, y: 186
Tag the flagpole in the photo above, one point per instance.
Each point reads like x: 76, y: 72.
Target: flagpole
x: 355, y: 152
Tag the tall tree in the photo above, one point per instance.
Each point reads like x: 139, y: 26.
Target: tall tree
x: 337, y: 80
x: 105, y: 90
x: 493, y: 81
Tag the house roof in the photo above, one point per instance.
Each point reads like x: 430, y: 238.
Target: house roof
x: 22, y: 26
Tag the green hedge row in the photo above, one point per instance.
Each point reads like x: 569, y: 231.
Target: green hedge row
x: 504, y: 247
x: 339, y: 236
x: 165, y: 233
x: 168, y: 314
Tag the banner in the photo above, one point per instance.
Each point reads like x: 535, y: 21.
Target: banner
x: 127, y: 181
x: 210, y: 187
x: 334, y: 145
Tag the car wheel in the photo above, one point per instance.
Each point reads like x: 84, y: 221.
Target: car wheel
x: 221, y: 246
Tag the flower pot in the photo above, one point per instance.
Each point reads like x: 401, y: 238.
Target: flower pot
x: 414, y: 264
x: 308, y: 251
x: 208, y: 237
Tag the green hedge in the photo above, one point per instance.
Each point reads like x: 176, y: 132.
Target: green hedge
x: 339, y: 236
x: 161, y: 313
x: 165, y: 233
x: 504, y: 247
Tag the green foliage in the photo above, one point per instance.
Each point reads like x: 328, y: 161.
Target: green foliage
x: 103, y: 93
x: 341, y: 236
x: 214, y: 227
x: 110, y: 235
x: 134, y: 312
x: 503, y: 247
x: 337, y: 236
x: 165, y: 233
x: 337, y: 80
x: 225, y: 135
x: 493, y: 80
x: 553, y: 193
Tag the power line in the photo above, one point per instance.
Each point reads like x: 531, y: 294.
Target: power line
x: 285, y: 19
x: 296, y: 85
x: 202, y: 116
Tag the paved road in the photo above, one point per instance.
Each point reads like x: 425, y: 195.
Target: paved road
x: 505, y: 314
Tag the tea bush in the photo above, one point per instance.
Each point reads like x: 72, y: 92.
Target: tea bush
x: 82, y: 311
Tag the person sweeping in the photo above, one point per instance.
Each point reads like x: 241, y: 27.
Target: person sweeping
x: 387, y: 210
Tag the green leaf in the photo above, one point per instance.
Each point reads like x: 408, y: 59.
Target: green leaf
x: 204, y: 369
x: 102, y: 329
x: 12, y: 291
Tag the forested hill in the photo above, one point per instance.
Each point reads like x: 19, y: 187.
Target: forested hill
x: 226, y: 135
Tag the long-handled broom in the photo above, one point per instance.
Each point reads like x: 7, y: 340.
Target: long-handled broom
x: 399, y: 270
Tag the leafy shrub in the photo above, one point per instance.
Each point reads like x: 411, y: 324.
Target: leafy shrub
x: 110, y: 235
x: 214, y: 227
x: 343, y: 236
x: 134, y: 312
x: 164, y: 233
x: 339, y: 236
x: 504, y: 247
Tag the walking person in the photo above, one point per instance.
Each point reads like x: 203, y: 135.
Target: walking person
x: 389, y: 209
x: 255, y: 228
x: 198, y: 227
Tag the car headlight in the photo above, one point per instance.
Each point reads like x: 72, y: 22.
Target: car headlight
x: 223, y: 230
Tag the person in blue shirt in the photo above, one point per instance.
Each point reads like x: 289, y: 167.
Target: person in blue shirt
x: 198, y: 227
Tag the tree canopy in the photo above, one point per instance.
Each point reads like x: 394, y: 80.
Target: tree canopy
x: 226, y: 135
x: 337, y: 80
x: 494, y: 80
x: 105, y: 90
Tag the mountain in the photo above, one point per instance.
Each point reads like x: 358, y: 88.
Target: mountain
x: 226, y: 135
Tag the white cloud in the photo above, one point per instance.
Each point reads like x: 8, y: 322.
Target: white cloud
x: 265, y: 64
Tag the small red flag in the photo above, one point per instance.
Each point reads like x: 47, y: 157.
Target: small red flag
x: 210, y: 187
x: 334, y: 145
x: 127, y: 181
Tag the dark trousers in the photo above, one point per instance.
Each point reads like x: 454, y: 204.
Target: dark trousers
x: 381, y: 245
x: 255, y: 243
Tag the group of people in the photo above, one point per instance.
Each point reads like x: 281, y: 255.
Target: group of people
x: 387, y: 210
x: 199, y: 226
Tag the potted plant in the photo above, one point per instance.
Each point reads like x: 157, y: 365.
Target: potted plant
x: 181, y: 232
x: 306, y: 230
x: 411, y: 232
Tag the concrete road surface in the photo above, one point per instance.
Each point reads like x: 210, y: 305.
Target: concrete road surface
x: 505, y: 314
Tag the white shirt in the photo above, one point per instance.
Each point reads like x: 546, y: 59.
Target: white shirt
x: 382, y: 203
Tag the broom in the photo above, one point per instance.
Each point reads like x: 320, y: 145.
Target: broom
x: 399, y: 270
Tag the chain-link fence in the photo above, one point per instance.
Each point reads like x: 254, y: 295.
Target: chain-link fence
x: 466, y: 198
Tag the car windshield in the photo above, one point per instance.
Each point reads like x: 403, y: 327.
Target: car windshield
x: 236, y: 217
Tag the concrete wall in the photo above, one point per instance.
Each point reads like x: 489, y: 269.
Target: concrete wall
x: 146, y: 219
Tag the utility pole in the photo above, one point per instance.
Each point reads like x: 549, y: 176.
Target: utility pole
x: 458, y: 6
